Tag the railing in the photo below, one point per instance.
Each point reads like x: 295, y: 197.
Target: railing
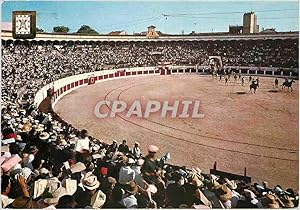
x: 64, y: 86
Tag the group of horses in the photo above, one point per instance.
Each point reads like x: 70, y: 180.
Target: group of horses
x: 287, y: 83
x: 255, y: 83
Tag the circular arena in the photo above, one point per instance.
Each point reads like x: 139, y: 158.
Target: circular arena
x: 51, y: 133
x: 258, y: 131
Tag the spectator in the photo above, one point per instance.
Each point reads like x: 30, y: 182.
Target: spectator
x: 123, y: 147
x: 176, y: 192
x: 136, y: 151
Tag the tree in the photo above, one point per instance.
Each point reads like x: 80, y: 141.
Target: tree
x: 39, y: 30
x: 61, y: 29
x: 86, y: 30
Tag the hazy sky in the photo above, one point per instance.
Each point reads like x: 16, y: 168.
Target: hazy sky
x: 135, y: 16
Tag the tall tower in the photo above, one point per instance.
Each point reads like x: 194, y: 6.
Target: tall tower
x: 250, y: 23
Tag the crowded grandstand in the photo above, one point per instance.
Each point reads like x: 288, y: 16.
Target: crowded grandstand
x: 48, y: 163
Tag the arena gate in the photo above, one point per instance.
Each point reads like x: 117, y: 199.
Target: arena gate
x: 164, y: 68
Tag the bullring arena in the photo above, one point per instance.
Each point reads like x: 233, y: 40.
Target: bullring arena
x: 53, y: 83
x: 257, y: 131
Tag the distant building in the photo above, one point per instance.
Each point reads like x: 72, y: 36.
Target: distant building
x: 235, y: 29
x: 268, y: 30
x: 250, y: 23
x: 152, y: 32
x: 117, y: 33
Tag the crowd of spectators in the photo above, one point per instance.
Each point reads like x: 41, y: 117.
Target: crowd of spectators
x: 47, y: 163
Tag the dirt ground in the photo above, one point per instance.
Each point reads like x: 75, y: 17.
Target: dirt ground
x: 258, y: 131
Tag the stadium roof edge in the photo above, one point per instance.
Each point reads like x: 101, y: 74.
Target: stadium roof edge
x: 7, y: 35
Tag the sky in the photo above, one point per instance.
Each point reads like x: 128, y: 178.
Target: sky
x: 136, y: 16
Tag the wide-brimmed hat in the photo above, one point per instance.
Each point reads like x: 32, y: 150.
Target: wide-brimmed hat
x: 249, y: 194
x: 40, y: 127
x: 56, y: 195
x: 44, y: 136
x: 126, y: 175
x: 231, y: 184
x: 224, y: 193
x: 26, y: 172
x: 6, y: 116
x: 213, y: 184
x: 287, y: 201
x: 90, y: 181
x: 270, y: 202
x: 196, y: 181
x: 10, y: 162
x: 153, y: 148
x: 77, y: 167
x: 152, y: 188
x: 131, y: 188
x: 98, y: 199
x: 129, y: 202
x: 18, y: 138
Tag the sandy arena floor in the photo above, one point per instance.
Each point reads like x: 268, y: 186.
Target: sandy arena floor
x: 258, y: 131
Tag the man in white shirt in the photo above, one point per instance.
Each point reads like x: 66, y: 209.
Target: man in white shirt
x: 5, y: 189
x: 83, y: 143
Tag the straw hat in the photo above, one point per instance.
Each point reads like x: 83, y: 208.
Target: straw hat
x: 98, y: 199
x: 287, y: 201
x: 90, y: 181
x: 270, y: 202
x: 224, y: 193
x: 231, y: 184
x: 56, y: 195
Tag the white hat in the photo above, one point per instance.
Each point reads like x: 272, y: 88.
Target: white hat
x: 130, y: 161
x: 44, y: 136
x: 129, y: 201
x: 98, y: 200
x: 126, y: 175
x: 56, y: 195
x: 78, y: 167
x: 26, y: 172
x: 40, y: 128
x: 18, y: 138
x: 152, y: 188
x: 44, y: 171
x: 24, y: 120
x: 90, y: 181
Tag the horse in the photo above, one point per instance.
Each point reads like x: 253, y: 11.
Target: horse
x: 288, y: 84
x: 253, y: 86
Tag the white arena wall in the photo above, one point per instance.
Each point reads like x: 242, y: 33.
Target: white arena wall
x: 66, y: 85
